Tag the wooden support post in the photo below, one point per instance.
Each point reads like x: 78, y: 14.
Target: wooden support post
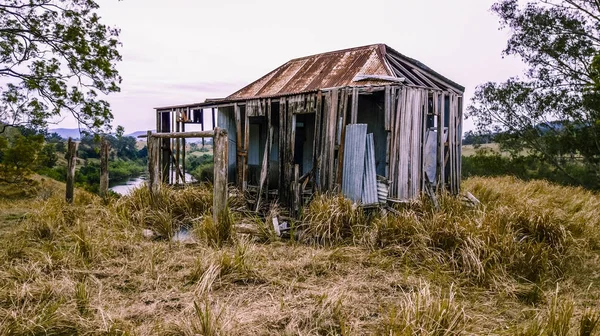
x: 239, y: 146
x: 104, y: 149
x: 220, y: 150
x: 441, y: 181
x: 71, y: 161
x: 246, y: 149
x: 183, y: 144
x: 154, y: 179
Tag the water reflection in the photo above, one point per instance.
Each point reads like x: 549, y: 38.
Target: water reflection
x: 124, y: 188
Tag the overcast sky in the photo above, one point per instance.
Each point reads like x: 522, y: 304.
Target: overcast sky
x: 184, y: 51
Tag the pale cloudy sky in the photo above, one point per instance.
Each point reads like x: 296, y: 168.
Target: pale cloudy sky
x: 184, y: 51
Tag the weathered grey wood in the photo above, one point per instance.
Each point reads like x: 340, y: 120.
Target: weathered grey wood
x: 239, y: 147
x: 317, y: 143
x: 198, y: 134
x: 442, y: 143
x: 220, y: 174
x: 473, y: 198
x: 104, y: 149
x: 265, y: 166
x: 177, y: 145
x: 331, y: 127
x: 284, y: 163
x: 296, y: 189
x: 71, y: 162
x: 354, y: 108
x: 343, y: 111
x: 246, y: 148
x: 183, y: 144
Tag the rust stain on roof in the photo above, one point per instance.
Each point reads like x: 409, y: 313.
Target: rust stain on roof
x: 332, y: 69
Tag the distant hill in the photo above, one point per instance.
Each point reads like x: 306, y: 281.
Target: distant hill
x: 138, y: 133
x: 66, y: 132
x: 74, y: 133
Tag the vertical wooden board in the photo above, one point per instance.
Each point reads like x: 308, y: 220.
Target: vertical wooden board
x: 342, y: 115
x: 386, y: 107
x: 297, y: 191
x: 265, y: 166
x: 387, y: 127
x: 326, y: 101
x: 354, y: 109
x: 331, y: 123
x: 354, y: 161
x: 291, y: 134
x: 460, y: 121
x: 214, y: 119
x: 451, y: 141
x: 317, y: 141
x: 246, y: 150
x: 283, y: 157
x: 238, y: 145
x: 403, y: 131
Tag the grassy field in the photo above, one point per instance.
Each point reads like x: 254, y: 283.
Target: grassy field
x: 525, y: 262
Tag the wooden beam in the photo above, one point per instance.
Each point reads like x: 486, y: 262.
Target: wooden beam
x: 199, y: 134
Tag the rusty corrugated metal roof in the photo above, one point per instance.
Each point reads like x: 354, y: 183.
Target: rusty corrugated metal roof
x: 332, y: 69
x: 339, y: 68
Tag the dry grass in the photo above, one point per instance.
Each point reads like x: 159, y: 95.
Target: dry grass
x: 86, y: 269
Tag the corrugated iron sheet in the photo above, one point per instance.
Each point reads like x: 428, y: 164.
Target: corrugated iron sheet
x: 369, y: 195
x: 354, y: 161
x: 310, y: 73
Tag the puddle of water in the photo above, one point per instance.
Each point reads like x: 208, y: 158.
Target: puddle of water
x: 183, y: 235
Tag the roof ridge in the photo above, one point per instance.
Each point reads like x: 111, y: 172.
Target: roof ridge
x: 374, y: 45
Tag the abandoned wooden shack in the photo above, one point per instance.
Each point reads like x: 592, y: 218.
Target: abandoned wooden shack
x: 368, y: 122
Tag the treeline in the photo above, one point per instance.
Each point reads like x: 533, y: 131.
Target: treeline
x: 24, y: 151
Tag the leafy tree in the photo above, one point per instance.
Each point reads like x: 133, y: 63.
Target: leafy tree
x: 20, y: 156
x: 47, y: 157
x: 56, y: 57
x: 553, y: 111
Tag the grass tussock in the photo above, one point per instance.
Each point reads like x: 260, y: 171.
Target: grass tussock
x: 168, y: 211
x: 559, y: 319
x: 425, y: 313
x: 331, y: 219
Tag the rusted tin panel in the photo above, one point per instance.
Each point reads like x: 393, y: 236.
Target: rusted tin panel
x: 333, y: 69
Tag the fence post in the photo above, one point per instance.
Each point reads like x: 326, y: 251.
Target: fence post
x: 152, y: 145
x: 104, y: 149
x: 221, y: 168
x: 71, y: 161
